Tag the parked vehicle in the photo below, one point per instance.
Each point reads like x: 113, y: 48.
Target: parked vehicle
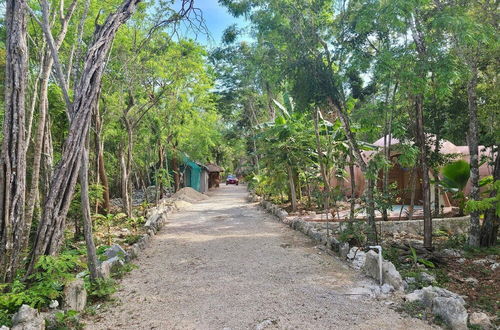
x: 231, y: 179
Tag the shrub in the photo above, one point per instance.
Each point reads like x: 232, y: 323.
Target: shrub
x: 354, y: 233
x: 44, y: 285
x: 101, y: 289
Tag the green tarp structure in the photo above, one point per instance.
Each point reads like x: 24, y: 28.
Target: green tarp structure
x: 192, y: 174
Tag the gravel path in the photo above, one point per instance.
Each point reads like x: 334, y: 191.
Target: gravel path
x: 225, y: 264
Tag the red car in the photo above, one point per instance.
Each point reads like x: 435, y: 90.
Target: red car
x: 231, y: 179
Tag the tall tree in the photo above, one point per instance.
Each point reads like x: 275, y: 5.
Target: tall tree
x: 50, y: 230
x: 13, y: 154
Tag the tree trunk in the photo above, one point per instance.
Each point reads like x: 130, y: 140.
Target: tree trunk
x: 73, y: 68
x: 436, y: 193
x: 387, y: 155
x: 353, y: 187
x: 33, y: 195
x: 101, y: 169
x: 177, y: 170
x: 421, y: 143
x: 475, y: 227
x: 47, y: 158
x: 13, y: 155
x: 270, y: 105
x: 419, y: 41
x: 162, y: 169
x: 127, y: 208
x: 87, y: 220
x: 50, y: 230
x: 370, y: 202
x: 322, y: 167
x: 356, y: 152
x: 413, y: 187
x: 489, y: 229
x: 293, y: 194
x: 34, y: 98
x: 126, y: 181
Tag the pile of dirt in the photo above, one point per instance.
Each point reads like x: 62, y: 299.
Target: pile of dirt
x: 189, y: 195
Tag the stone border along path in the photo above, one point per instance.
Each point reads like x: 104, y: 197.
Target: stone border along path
x: 224, y: 263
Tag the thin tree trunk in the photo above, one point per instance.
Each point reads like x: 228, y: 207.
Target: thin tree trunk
x: 176, y: 169
x: 160, y: 160
x: 127, y: 208
x: 101, y: 169
x: 419, y: 41
x: 87, y: 220
x: 421, y: 143
x: 73, y: 67
x: 436, y: 193
x: 47, y: 158
x: 254, y: 122
x: 385, y: 178
x: 322, y: 167
x: 293, y: 194
x: 413, y: 185
x: 48, y: 63
x: 353, y: 187
x: 50, y: 230
x: 489, y: 229
x: 475, y: 227
x: 13, y: 155
x: 127, y: 183
x: 33, y: 195
x: 34, y: 99
x: 270, y: 105
x: 356, y: 152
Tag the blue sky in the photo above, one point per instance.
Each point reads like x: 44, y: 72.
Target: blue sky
x: 217, y: 19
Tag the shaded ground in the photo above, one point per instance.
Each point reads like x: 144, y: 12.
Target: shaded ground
x: 225, y: 264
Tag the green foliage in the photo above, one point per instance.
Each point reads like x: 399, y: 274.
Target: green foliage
x: 125, y: 269
x: 105, y: 222
x: 455, y: 176
x: 457, y: 241
x: 132, y: 239
x: 46, y: 284
x: 488, y: 202
x: 101, y: 289
x: 416, y: 259
x: 66, y: 320
x: 354, y: 233
x: 414, y: 309
x: 135, y: 223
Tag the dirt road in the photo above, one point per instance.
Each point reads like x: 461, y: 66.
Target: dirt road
x: 225, y: 264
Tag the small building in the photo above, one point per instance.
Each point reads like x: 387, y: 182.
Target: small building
x: 214, y: 172
x: 195, y: 175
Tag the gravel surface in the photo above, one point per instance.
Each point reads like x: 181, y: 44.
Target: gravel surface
x: 224, y: 263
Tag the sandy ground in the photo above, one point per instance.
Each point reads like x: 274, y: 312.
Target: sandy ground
x: 225, y: 264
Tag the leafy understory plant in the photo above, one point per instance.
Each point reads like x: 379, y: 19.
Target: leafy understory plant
x: 455, y: 178
x: 417, y: 260
x: 44, y: 285
x: 106, y: 221
x: 486, y: 203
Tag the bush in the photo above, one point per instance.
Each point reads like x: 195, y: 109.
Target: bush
x: 101, y: 289
x: 354, y: 233
x: 68, y: 320
x: 46, y: 284
x: 132, y: 239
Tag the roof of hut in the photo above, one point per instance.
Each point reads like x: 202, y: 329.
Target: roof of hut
x: 214, y: 168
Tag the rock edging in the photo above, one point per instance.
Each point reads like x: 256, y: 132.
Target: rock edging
x: 74, y: 294
x: 443, y: 303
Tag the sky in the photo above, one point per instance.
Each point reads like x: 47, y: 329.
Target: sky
x: 217, y: 19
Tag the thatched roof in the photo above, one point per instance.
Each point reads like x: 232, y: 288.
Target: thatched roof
x: 214, y: 168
